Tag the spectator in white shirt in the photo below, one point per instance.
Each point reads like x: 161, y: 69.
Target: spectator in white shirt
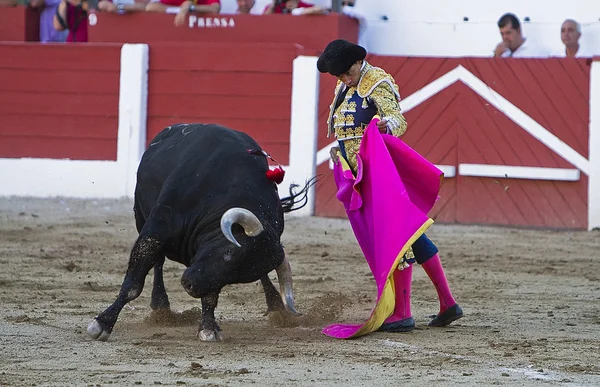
x: 349, y: 9
x: 570, y: 32
x: 513, y: 43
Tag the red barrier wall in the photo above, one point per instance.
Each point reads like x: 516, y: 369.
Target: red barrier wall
x: 307, y: 31
x: 59, y: 101
x: 234, y: 70
x: 458, y: 126
x: 218, y: 83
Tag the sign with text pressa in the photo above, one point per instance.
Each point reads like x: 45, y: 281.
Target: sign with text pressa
x: 154, y: 27
x: 210, y: 22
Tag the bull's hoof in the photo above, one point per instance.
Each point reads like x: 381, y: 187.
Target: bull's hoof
x: 97, y: 331
x: 210, y: 335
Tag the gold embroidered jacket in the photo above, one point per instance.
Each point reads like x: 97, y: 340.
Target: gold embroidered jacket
x: 375, y: 94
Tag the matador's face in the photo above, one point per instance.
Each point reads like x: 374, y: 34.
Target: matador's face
x: 352, y: 76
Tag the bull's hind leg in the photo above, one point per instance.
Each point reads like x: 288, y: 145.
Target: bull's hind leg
x: 146, y: 252
x: 209, y: 330
x: 274, y: 302
x: 160, y: 300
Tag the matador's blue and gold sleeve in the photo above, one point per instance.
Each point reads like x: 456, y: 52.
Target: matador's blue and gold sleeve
x: 382, y: 90
x: 388, y: 108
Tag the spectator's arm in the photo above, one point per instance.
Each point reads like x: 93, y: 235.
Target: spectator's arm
x: 109, y: 6
x: 60, y: 17
x: 316, y: 10
x: 8, y: 3
x: 204, y: 8
x: 209, y: 8
x: 155, y: 6
x: 36, y: 3
x: 389, y: 109
x: 137, y: 6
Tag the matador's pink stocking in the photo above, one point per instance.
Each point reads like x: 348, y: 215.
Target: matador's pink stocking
x: 403, y: 282
x: 435, y: 271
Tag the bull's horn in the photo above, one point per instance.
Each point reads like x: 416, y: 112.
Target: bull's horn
x: 244, y: 218
x: 284, y: 276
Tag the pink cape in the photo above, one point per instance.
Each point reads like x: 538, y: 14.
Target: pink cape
x: 387, y: 204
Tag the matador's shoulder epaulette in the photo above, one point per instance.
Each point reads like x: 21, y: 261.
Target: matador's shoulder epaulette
x: 372, y: 77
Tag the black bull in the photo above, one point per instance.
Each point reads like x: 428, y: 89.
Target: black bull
x: 203, y: 199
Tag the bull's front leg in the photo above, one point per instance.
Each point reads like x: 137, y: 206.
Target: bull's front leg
x: 144, y: 254
x: 209, y: 330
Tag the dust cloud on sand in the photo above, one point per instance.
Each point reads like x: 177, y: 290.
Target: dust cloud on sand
x: 531, y: 300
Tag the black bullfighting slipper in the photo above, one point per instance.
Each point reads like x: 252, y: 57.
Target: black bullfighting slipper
x: 406, y: 325
x: 446, y: 317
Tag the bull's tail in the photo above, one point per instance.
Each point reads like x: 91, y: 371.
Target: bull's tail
x: 298, y: 199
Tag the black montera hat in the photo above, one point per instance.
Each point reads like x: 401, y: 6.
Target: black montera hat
x: 339, y: 56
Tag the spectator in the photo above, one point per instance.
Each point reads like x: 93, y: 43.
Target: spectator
x: 513, y: 43
x: 185, y: 7
x: 71, y: 15
x: 248, y: 7
x: 570, y: 32
x: 8, y: 3
x: 47, y: 31
x: 349, y: 9
x: 121, y: 7
x: 295, y: 7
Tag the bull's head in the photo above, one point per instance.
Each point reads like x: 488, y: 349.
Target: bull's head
x: 263, y: 244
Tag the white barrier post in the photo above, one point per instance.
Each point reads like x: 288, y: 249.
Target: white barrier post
x: 304, y: 127
x: 594, y: 148
x: 133, y: 111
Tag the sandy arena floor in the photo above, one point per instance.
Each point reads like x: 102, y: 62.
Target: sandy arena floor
x: 531, y: 301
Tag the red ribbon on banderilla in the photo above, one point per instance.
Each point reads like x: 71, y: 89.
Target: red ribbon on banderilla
x: 276, y: 174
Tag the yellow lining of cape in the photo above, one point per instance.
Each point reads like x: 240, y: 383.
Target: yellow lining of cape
x: 385, y: 305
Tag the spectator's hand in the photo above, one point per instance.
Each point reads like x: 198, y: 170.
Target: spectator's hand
x: 183, y: 11
x: 333, y: 154
x: 180, y: 18
x: 315, y: 10
x: 500, y: 48
x: 382, y: 126
x: 107, y: 6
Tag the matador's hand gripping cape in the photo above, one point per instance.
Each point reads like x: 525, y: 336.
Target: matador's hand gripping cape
x: 387, y: 203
